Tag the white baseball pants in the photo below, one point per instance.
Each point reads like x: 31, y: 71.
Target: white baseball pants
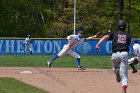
x: 70, y: 52
x: 28, y: 47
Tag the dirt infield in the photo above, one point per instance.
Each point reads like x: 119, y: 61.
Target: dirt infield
x: 71, y: 80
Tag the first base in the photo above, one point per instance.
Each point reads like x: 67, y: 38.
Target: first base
x: 26, y: 72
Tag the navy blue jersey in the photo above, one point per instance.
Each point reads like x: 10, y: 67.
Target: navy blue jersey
x: 120, y: 41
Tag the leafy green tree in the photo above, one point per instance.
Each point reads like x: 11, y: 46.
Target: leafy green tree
x: 54, y: 18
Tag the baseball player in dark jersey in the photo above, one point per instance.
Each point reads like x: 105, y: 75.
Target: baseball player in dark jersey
x: 120, y: 48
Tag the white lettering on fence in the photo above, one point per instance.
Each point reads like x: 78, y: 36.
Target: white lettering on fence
x: 38, y: 44
x: 1, y: 43
x: 42, y: 46
x: 57, y: 46
x: 108, y: 47
x: 20, y: 45
x: 10, y: 45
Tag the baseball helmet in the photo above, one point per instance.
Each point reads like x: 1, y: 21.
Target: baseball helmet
x: 80, y: 32
x: 121, y: 25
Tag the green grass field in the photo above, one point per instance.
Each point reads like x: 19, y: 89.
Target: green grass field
x: 65, y: 61
x: 10, y: 85
x: 88, y: 61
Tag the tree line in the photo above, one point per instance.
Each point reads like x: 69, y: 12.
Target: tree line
x: 54, y: 18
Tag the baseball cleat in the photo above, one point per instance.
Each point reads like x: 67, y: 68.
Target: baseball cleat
x: 124, y: 91
x: 134, y: 71
x: 81, y: 68
x: 49, y: 64
x: 117, y: 73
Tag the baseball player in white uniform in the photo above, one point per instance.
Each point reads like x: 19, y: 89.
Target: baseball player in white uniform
x: 136, y: 59
x: 73, y: 40
x: 28, y: 43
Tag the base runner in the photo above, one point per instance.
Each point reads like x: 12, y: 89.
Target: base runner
x: 120, y: 48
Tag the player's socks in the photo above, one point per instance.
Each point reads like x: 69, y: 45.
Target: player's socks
x: 124, y: 87
x: 54, y: 58
x: 132, y: 66
x: 78, y: 62
x: 31, y: 52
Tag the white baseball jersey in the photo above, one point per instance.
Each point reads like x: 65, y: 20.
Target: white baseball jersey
x: 137, y: 46
x: 74, y: 40
x: 28, y: 44
x: 28, y: 41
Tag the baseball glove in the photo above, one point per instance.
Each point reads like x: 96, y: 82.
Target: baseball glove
x: 136, y: 61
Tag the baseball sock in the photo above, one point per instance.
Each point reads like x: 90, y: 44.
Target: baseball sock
x: 124, y: 87
x: 132, y: 66
x: 31, y: 52
x: 54, y: 58
x: 78, y: 62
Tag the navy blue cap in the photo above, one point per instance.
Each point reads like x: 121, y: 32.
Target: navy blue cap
x: 135, y: 40
x: 29, y: 36
x: 80, y: 32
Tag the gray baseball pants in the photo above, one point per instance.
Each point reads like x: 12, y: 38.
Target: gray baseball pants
x: 120, y: 61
